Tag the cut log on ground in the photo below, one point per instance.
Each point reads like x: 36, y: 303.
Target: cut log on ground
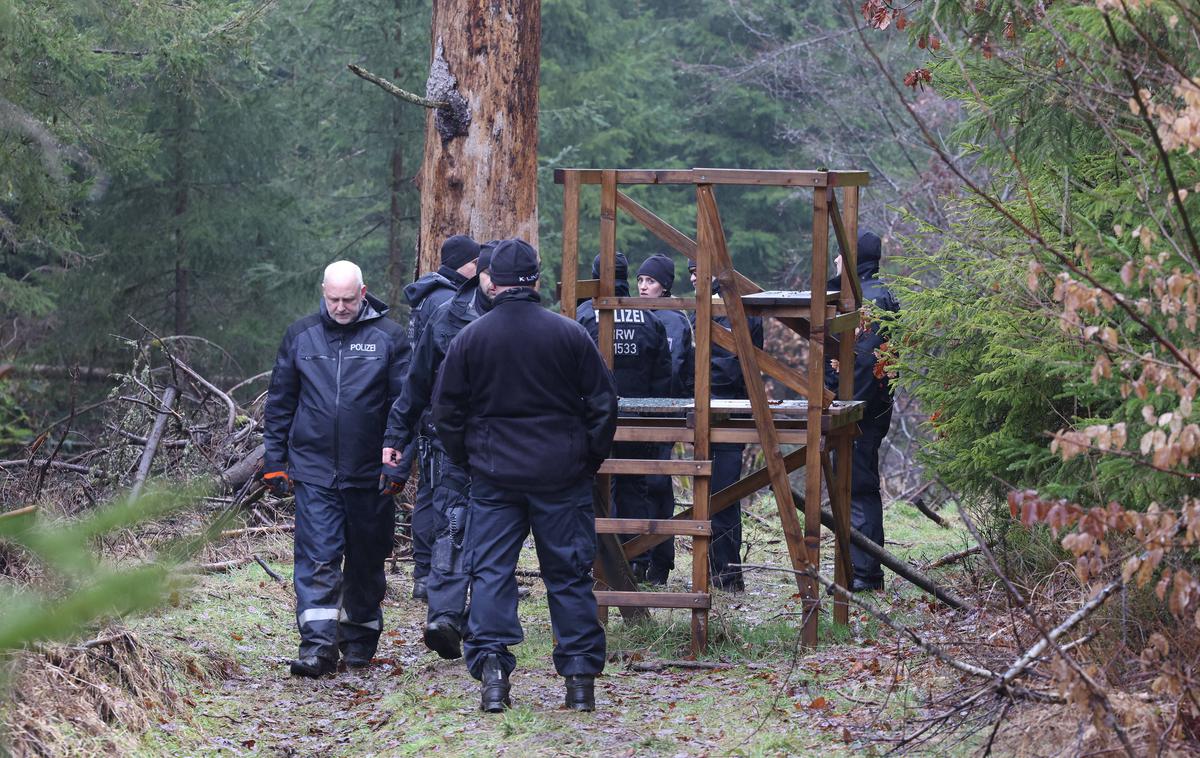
x: 156, y: 433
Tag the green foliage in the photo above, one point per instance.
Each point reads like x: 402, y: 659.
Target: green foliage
x: 88, y: 589
x: 1004, y: 326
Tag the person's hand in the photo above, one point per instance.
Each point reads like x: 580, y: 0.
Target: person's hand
x: 392, y: 480
x: 276, y: 480
x: 391, y: 456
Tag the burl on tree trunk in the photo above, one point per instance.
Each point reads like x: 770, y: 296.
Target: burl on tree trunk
x: 479, y: 173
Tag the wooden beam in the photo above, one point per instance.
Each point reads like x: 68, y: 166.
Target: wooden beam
x: 668, y: 526
x: 608, y: 261
x: 743, y: 487
x: 568, y: 291
x: 695, y: 600
x: 654, y: 466
x: 703, y: 418
x: 849, y: 249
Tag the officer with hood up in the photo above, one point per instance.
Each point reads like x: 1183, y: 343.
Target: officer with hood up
x: 337, y: 373
x: 727, y: 382
x: 642, y: 368
x: 448, y: 581
x: 872, y: 386
x: 655, y: 277
x: 426, y: 295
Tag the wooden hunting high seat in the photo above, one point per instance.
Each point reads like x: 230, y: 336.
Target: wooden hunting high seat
x: 819, y: 422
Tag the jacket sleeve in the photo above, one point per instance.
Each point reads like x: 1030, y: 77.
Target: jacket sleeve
x: 451, y: 401
x: 414, y: 396
x: 660, y: 374
x: 283, y: 395
x: 399, y: 355
x: 599, y: 393
x: 586, y: 316
x: 685, y: 376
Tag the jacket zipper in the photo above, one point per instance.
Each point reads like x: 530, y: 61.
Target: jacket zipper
x: 337, y: 417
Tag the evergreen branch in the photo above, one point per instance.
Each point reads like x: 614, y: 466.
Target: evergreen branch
x: 392, y: 89
x: 1144, y: 112
x: 1008, y: 215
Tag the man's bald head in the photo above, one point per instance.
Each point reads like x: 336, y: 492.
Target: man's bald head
x: 343, y: 290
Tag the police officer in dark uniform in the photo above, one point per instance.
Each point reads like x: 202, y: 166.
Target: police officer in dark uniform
x: 336, y: 374
x: 426, y: 295
x: 655, y: 278
x: 526, y: 404
x: 642, y: 368
x: 727, y: 382
x: 448, y: 581
x: 873, y: 387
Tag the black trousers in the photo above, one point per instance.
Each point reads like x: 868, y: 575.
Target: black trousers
x: 866, y: 503
x: 630, y: 492
x: 726, y: 545
x: 343, y: 537
x: 449, y: 579
x: 662, y: 499
x: 424, y: 519
x: 564, y: 534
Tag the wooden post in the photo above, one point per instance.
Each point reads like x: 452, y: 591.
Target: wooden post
x: 816, y: 383
x: 570, y: 242
x: 843, y: 442
x: 702, y: 450
x: 608, y: 260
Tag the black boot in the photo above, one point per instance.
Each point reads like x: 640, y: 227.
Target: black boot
x: 443, y: 638
x: 357, y: 655
x: 312, y: 666
x: 581, y: 692
x: 493, y: 691
x: 419, y: 590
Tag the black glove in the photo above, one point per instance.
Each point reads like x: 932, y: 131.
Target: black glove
x: 276, y: 480
x: 392, y: 480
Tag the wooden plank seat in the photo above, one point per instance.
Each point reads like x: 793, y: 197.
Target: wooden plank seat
x: 668, y: 526
x: 606, y: 598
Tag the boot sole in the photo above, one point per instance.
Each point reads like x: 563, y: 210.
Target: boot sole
x: 446, y: 644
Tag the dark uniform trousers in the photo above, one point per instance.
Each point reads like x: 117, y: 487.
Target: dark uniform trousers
x: 564, y: 533
x: 661, y: 493
x: 726, y: 525
x: 866, y: 503
x: 424, y: 522
x: 449, y: 579
x: 343, y: 538
x: 631, y: 492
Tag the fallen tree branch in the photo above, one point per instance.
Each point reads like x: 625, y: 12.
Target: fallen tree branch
x: 19, y: 511
x: 392, y: 89
x: 268, y: 569
x: 53, y: 464
x: 919, y: 503
x: 241, y: 472
x: 949, y: 558
x: 216, y: 568
x: 156, y: 433
x: 693, y: 665
x: 897, y: 566
x: 280, y: 529
x: 230, y: 406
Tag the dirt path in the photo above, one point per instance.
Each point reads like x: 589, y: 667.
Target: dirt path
x: 767, y: 697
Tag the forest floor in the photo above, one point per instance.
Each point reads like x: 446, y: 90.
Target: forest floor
x: 859, y: 692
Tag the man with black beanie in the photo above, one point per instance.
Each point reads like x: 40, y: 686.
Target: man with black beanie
x: 526, y: 404
x: 655, y: 277
x: 447, y: 582
x: 872, y: 386
x: 641, y: 368
x: 727, y: 382
x: 426, y: 295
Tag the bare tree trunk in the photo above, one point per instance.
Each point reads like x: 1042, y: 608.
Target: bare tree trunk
x: 479, y: 174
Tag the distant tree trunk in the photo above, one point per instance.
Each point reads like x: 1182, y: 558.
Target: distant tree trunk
x: 183, y: 122
x: 479, y: 174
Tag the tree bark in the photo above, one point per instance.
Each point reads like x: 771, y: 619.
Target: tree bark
x: 397, y: 270
x: 183, y: 112
x: 479, y: 173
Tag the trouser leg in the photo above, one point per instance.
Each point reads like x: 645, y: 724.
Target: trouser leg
x: 499, y: 524
x: 662, y: 497
x: 319, y: 546
x: 866, y: 503
x: 726, y: 543
x: 449, y: 578
x: 424, y: 519
x: 564, y: 531
x: 631, y: 497
x: 369, y: 519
